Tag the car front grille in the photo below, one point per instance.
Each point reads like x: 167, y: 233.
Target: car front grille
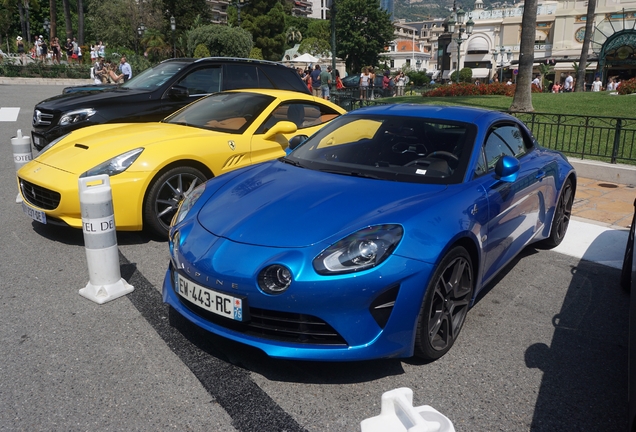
x: 38, y: 196
x: 42, y: 118
x: 281, y: 326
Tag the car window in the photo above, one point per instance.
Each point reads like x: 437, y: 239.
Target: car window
x: 239, y: 76
x: 506, y: 140
x: 154, y: 77
x: 398, y: 148
x: 282, y: 78
x: 202, y: 81
x: 303, y: 114
x: 224, y: 112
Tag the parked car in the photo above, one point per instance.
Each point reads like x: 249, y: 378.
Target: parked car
x: 155, y: 93
x: 154, y: 165
x: 370, y: 239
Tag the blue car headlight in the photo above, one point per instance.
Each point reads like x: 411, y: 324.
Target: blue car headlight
x: 116, y: 165
x: 187, y: 204
x: 359, y: 251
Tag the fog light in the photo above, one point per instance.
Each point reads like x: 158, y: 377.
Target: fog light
x: 274, y: 279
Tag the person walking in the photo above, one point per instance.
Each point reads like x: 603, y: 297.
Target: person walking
x: 569, y: 84
x: 325, y: 82
x: 125, y: 69
x: 315, y: 81
x: 21, y: 51
x: 597, y: 85
x: 537, y: 82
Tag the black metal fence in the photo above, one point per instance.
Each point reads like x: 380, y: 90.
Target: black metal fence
x: 609, y: 139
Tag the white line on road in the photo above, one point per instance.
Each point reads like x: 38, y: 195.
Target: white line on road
x: 9, y: 114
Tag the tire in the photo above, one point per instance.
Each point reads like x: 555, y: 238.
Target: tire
x: 165, y: 194
x: 562, y: 215
x: 446, y: 303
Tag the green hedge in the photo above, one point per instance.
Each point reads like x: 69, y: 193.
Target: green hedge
x: 39, y: 70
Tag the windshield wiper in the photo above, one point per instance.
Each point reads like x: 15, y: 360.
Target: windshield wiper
x: 291, y: 162
x: 352, y: 173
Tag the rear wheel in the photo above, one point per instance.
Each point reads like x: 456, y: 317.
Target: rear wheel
x: 445, y: 305
x: 562, y: 215
x: 165, y: 194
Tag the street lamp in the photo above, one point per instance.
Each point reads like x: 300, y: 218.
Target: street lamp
x: 140, y: 31
x: 460, y: 15
x: 240, y: 4
x: 47, y: 27
x: 173, y: 27
x: 495, y: 54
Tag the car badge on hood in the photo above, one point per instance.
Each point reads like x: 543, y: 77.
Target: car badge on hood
x: 232, y: 144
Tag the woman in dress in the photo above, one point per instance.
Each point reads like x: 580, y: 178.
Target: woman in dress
x: 365, y: 77
x: 21, y: 49
x: 55, y: 50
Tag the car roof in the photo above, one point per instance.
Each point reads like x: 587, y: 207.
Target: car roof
x: 223, y: 60
x: 457, y: 113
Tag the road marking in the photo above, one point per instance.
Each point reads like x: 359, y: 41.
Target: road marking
x: 596, y: 243
x: 9, y: 114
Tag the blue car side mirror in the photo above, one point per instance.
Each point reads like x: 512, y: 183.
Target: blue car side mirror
x: 507, y: 168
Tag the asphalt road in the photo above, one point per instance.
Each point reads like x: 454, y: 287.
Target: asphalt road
x: 544, y: 350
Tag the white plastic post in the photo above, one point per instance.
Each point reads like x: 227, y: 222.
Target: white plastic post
x: 399, y: 415
x: 100, y: 239
x: 22, y: 153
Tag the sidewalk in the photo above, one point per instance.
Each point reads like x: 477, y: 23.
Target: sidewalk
x: 605, y: 202
x: 44, y: 81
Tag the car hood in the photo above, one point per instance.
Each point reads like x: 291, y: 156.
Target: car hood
x: 90, y: 146
x: 83, y: 99
x: 279, y: 205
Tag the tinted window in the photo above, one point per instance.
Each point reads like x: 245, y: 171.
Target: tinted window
x: 240, y: 77
x: 202, y: 81
x: 226, y: 112
x: 283, y: 78
x: 503, y: 141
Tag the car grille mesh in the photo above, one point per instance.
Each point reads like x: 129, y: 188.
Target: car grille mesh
x: 282, y: 326
x: 38, y: 196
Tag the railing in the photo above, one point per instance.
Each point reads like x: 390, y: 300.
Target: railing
x: 609, y: 139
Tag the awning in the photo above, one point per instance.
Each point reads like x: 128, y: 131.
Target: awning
x: 481, y: 73
x: 447, y: 74
x: 569, y: 67
x: 433, y: 74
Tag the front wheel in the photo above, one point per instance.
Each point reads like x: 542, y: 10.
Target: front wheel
x: 445, y: 305
x: 165, y: 194
x: 562, y: 215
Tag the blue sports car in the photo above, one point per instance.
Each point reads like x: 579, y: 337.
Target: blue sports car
x: 370, y: 239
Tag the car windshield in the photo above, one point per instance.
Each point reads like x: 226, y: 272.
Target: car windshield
x: 154, y: 77
x: 225, y: 112
x: 398, y: 148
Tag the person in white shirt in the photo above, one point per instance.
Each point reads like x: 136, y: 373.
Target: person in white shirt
x: 597, y: 85
x: 569, y: 83
x: 536, y: 81
x: 611, y: 85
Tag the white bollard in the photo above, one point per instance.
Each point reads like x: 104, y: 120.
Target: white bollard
x: 100, y: 240
x: 399, y: 415
x: 22, y: 153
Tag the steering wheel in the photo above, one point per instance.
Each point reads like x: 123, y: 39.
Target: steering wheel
x: 444, y: 154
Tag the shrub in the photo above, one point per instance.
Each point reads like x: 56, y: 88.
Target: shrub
x: 465, y: 89
x: 201, y: 51
x: 627, y: 87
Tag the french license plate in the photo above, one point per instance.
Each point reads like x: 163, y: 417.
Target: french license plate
x: 212, y: 301
x: 36, y: 140
x: 36, y: 215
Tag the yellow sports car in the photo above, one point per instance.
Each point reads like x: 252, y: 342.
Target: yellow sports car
x: 154, y: 165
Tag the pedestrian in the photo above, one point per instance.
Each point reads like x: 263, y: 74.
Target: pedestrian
x: 364, y: 82
x: 69, y: 50
x: 315, y: 81
x: 371, y: 82
x: 597, y: 85
x: 125, y: 69
x: 386, y: 84
x: 509, y: 82
x: 569, y: 83
x: 400, y: 82
x: 55, y: 50
x: 537, y: 82
x: 339, y: 83
x: 21, y: 51
x: 325, y: 82
x: 43, y: 50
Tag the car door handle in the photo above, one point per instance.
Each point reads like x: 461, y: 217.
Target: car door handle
x: 540, y: 175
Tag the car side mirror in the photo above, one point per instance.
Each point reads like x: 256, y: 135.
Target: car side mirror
x: 282, y: 127
x: 296, y: 141
x: 507, y: 168
x: 178, y: 93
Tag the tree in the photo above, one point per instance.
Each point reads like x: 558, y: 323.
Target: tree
x: 522, y: 100
x: 315, y: 47
x: 544, y: 69
x: 221, y: 41
x: 293, y: 35
x: 265, y: 20
x: 80, y: 22
x: 156, y: 47
x: 363, y: 32
x: 67, y: 19
x: 580, y: 74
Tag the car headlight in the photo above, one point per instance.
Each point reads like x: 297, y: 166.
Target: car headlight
x: 116, y: 165
x: 76, y: 116
x: 187, y: 204
x: 52, y: 143
x: 359, y: 251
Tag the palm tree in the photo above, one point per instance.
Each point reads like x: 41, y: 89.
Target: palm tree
x: 589, y: 22
x: 522, y: 100
x: 156, y: 46
x: 544, y: 69
x: 293, y: 35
